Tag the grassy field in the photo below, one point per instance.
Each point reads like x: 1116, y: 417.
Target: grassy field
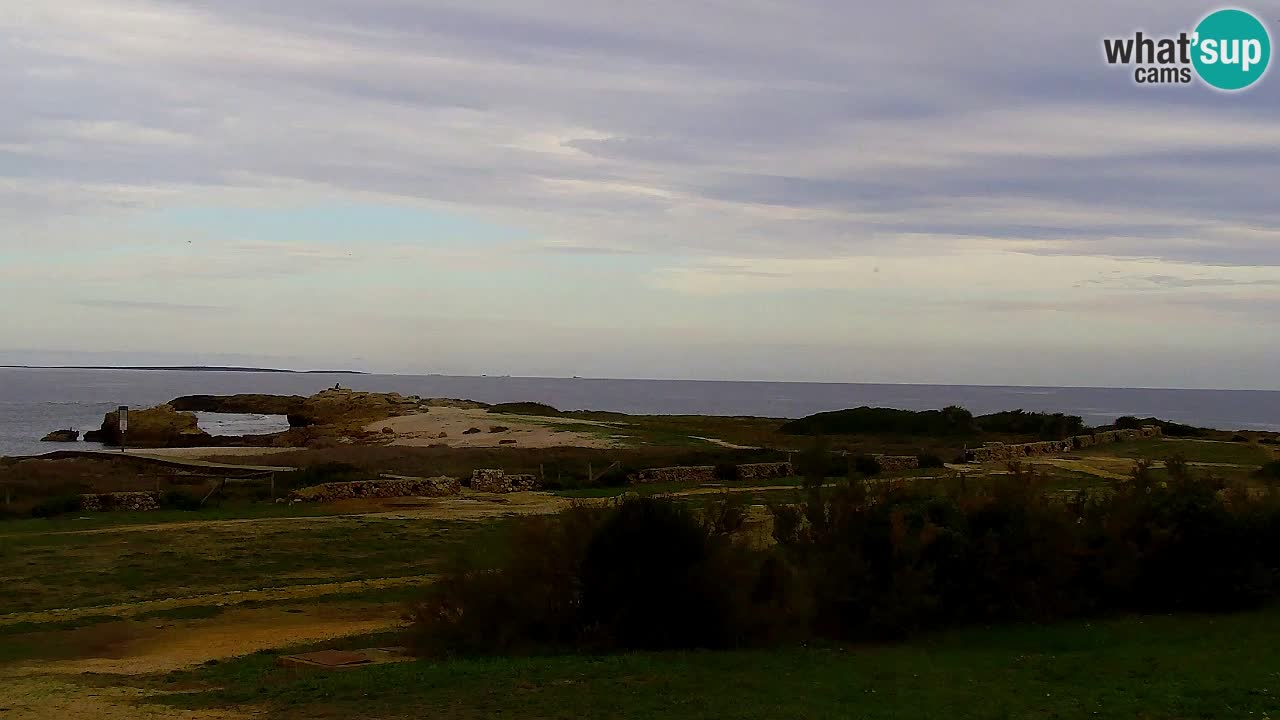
x: 1207, y: 451
x: 43, y: 570
x: 1137, y: 667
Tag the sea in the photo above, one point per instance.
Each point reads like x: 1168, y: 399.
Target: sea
x: 36, y: 401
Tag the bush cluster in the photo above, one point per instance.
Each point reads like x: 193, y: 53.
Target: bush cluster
x: 869, y: 559
x: 1168, y: 427
x: 885, y: 559
x: 644, y: 574
x: 1046, y: 426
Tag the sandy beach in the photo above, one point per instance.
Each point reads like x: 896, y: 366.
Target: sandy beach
x: 426, y: 429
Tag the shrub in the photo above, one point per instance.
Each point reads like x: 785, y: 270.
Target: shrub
x: 179, y: 500
x: 866, y: 465
x: 727, y: 472
x: 644, y: 574
x: 1046, y: 426
x: 1172, y: 429
x: 1239, y: 438
x: 524, y: 408
x: 929, y: 460
x: 882, y: 559
x: 1270, y: 471
x: 54, y: 506
x: 324, y: 473
x: 947, y: 421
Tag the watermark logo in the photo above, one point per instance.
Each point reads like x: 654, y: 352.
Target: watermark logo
x: 1229, y: 50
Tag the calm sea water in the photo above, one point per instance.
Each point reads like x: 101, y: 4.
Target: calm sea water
x: 33, y: 402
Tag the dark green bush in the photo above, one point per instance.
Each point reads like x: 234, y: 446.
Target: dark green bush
x: 644, y: 574
x: 947, y: 421
x: 866, y: 465
x: 1172, y: 429
x: 866, y: 560
x: 1046, y: 426
x: 524, y: 408
x: 179, y: 500
x: 884, y: 559
x: 929, y: 460
x: 727, y: 472
x: 54, y: 506
x: 324, y: 473
x: 1270, y: 471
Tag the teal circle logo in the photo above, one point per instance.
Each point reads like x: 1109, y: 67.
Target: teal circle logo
x: 1232, y: 49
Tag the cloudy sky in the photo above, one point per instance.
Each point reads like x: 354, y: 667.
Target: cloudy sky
x: 923, y: 191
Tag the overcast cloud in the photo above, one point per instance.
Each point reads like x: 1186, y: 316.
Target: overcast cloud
x: 746, y: 189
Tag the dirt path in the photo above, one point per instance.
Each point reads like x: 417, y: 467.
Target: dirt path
x: 48, y: 697
x: 1079, y: 466
x: 66, y: 689
x: 724, y: 443
x: 233, y: 597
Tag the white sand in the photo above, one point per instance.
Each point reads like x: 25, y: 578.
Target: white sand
x: 424, y: 429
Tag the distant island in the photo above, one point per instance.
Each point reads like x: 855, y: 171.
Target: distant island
x: 186, y: 368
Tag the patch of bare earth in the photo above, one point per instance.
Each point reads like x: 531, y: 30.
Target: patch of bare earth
x: 425, y: 429
x: 40, y: 690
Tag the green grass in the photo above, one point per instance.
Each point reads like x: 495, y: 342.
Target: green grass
x: 646, y: 489
x: 1193, y: 450
x: 48, y: 571
x: 95, y: 520
x: 1162, y: 667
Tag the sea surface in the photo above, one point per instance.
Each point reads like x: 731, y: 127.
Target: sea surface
x: 34, y: 402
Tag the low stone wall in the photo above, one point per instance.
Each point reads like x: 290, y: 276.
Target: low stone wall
x: 999, y: 452
x: 497, y: 481
x: 759, y: 471
x: 678, y: 474
x: 122, y: 501
x: 891, y: 463
x: 399, y: 487
x: 707, y: 473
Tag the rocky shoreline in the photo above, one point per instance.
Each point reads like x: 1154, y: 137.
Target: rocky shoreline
x: 332, y: 417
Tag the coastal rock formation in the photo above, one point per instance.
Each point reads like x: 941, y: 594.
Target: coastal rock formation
x: 340, y: 406
x: 334, y: 406
x: 62, y: 436
x: 160, y: 426
x: 496, y: 481
x: 1000, y: 452
x: 244, y: 403
x: 441, y: 486
x: 122, y: 501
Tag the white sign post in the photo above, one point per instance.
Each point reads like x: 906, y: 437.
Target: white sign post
x: 122, y: 413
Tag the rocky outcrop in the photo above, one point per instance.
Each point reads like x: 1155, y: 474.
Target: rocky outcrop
x: 61, y: 436
x: 121, y: 501
x: 160, y: 426
x: 352, y: 408
x: 496, y: 481
x: 441, y: 486
x: 244, y: 403
x: 1000, y: 452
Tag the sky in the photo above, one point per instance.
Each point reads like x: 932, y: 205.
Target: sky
x: 812, y: 190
